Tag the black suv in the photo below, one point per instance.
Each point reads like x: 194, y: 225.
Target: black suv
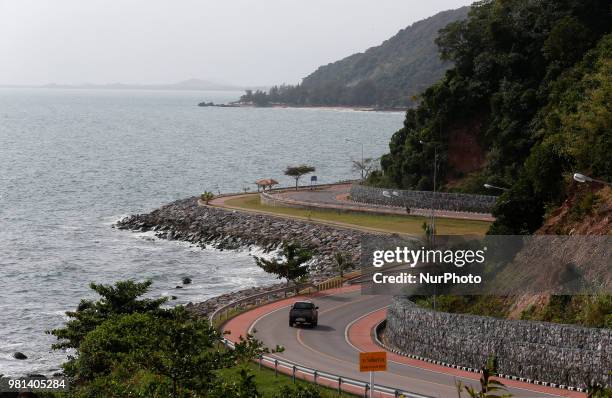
x: 303, y: 312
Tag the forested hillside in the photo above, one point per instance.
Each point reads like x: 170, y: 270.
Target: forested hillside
x: 385, y: 76
x: 526, y: 104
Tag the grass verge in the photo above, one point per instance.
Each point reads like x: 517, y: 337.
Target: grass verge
x: 389, y: 223
x: 268, y: 384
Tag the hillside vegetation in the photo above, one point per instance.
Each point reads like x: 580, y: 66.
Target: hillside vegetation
x: 526, y: 104
x: 385, y: 76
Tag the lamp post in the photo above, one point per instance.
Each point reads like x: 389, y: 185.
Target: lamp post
x: 435, y: 173
x: 489, y: 186
x: 360, y: 143
x: 584, y: 178
x: 390, y: 195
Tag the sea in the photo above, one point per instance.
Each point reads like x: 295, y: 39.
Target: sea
x: 74, y: 161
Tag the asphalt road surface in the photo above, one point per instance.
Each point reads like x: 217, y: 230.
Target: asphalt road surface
x: 327, y: 348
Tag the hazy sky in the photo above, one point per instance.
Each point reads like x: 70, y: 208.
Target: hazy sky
x: 244, y: 42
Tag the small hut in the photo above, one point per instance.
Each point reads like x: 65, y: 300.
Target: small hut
x: 265, y: 183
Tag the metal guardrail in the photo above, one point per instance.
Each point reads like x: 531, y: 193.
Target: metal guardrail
x: 295, y: 368
x: 260, y: 298
x: 255, y: 299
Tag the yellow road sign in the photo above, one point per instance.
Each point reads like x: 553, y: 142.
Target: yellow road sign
x: 372, y: 361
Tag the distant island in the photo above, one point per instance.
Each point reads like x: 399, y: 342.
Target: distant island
x: 189, y: 84
x: 244, y: 102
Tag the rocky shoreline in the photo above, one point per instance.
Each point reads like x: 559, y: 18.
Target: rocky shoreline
x: 227, y: 229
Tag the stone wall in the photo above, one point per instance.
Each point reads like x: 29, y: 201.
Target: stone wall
x: 562, y: 354
x: 424, y: 199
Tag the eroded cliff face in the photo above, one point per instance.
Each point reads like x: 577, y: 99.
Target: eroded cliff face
x: 585, y: 215
x: 465, y: 152
x: 587, y: 211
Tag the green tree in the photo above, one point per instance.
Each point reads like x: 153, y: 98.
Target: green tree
x: 248, y: 348
x: 184, y: 352
x: 599, y: 391
x: 489, y: 387
x: 119, y: 299
x: 518, y: 211
x: 299, y: 391
x: 177, y: 347
x: 245, y: 387
x: 342, y: 263
x: 145, y: 354
x: 296, y: 172
x: 364, y: 167
x: 567, y: 41
x: 292, y: 264
x: 207, y: 196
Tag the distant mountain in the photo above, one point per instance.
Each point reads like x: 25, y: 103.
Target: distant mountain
x: 190, y: 84
x: 401, y: 66
x: 387, y: 75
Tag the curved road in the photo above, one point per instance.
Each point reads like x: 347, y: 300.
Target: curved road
x: 337, y: 197
x: 334, y: 345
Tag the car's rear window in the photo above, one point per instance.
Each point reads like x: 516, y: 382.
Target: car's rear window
x: 303, y: 306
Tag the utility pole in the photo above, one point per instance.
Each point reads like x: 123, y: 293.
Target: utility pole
x: 433, y: 205
x: 434, y: 202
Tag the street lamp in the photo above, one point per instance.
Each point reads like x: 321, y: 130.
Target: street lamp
x: 360, y: 143
x: 392, y: 194
x: 584, y: 178
x: 388, y: 194
x: 489, y: 186
x: 435, y: 173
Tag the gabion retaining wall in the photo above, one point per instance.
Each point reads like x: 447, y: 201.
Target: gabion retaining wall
x: 424, y: 199
x: 562, y: 354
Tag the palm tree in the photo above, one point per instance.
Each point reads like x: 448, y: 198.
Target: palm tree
x: 489, y: 388
x: 207, y: 196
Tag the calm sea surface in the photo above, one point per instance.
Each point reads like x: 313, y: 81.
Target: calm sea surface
x: 72, y: 162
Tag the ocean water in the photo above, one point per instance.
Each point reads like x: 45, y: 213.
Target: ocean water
x: 72, y: 162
